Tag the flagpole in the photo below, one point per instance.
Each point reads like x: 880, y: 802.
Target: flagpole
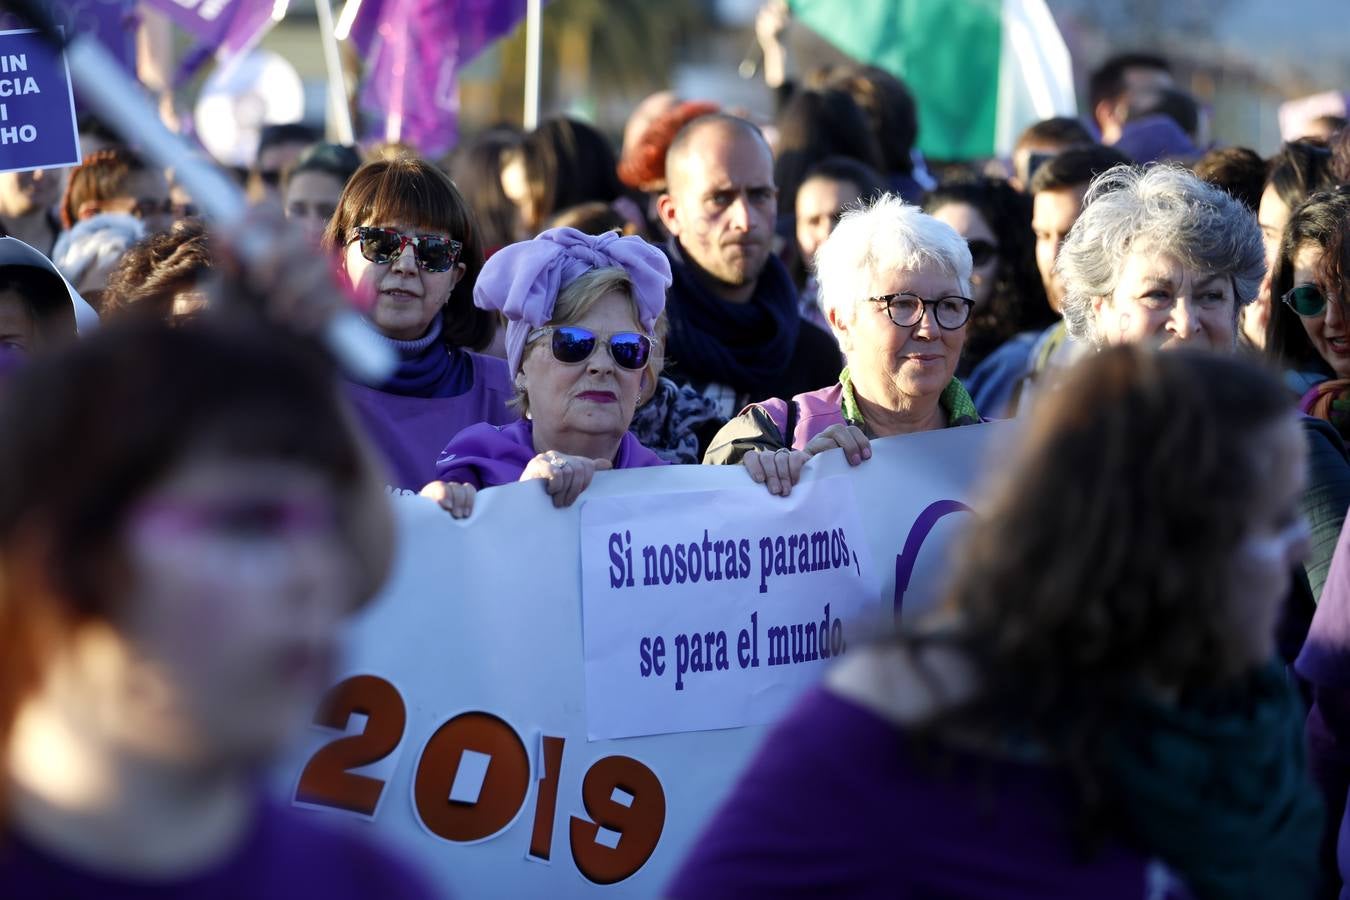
x: 337, y: 81
x: 532, y: 53
x: 393, y: 123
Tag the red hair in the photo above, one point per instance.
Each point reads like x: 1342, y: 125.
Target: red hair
x: 644, y: 166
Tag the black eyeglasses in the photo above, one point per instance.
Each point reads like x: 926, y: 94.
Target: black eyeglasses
x: 981, y: 251
x: 573, y: 344
x: 384, y: 245
x: 1307, y: 300
x: 906, y: 309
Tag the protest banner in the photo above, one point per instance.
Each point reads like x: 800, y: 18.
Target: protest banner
x: 460, y: 729
x: 37, y: 106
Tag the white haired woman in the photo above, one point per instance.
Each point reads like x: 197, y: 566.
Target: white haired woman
x: 895, y: 287
x: 1160, y: 257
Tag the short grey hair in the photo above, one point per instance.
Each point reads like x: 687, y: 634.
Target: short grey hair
x: 886, y: 235
x: 1162, y: 208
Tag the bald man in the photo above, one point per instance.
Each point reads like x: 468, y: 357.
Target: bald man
x: 735, y: 332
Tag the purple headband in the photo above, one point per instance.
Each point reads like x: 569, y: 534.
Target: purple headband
x: 522, y: 281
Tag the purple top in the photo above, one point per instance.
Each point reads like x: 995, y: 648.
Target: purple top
x: 487, y: 455
x: 410, y: 430
x: 288, y: 853
x: 1325, y: 662
x: 836, y: 803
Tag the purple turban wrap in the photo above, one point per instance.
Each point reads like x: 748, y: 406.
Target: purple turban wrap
x: 522, y: 281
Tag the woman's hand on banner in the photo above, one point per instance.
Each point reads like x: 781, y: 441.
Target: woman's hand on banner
x: 454, y: 497
x: 848, y: 438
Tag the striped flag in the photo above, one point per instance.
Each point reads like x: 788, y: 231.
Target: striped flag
x: 980, y: 70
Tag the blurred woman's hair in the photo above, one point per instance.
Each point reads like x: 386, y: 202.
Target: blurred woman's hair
x: 476, y: 169
x: 413, y: 193
x: 1096, y: 568
x: 95, y: 426
x: 154, y: 271
x: 1322, y: 221
x: 566, y: 162
x: 813, y: 126
x: 337, y: 161
x: 1017, y: 301
x: 643, y: 165
x: 101, y: 177
x: 1301, y: 168
x: 1238, y: 170
x: 592, y: 218
x: 886, y: 101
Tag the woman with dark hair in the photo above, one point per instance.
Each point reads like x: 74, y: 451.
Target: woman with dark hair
x: 311, y: 188
x: 195, y: 519
x: 560, y: 164
x: 1300, y: 169
x: 892, y: 115
x: 409, y: 246
x: 1005, y: 284
x: 476, y: 169
x: 163, y: 276
x: 813, y: 126
x: 829, y: 188
x: 1097, y: 709
x: 1310, y: 330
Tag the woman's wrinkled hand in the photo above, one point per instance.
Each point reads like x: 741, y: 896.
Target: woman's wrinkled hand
x: 848, y: 438
x: 777, y: 469
x: 454, y: 497
x: 564, y: 476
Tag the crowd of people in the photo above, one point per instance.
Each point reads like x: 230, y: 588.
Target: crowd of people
x: 1137, y: 684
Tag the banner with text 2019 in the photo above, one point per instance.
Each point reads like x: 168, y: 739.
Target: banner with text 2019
x: 461, y: 730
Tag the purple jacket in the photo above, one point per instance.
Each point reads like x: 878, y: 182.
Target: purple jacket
x: 486, y: 455
x: 838, y: 803
x: 411, y: 431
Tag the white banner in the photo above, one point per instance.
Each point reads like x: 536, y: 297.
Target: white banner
x: 461, y: 731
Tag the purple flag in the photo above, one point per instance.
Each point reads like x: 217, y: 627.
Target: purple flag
x: 113, y: 22
x: 223, y: 28
x: 413, y: 51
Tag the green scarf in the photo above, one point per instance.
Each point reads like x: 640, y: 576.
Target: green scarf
x: 955, y: 402
x: 1219, y: 789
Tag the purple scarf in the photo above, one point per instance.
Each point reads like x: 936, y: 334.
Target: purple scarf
x: 487, y: 455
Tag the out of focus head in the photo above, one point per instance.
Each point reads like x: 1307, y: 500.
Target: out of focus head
x: 1057, y: 191
x: 721, y: 201
x: 411, y: 198
x: 1238, y: 170
x: 87, y: 253
x: 1123, y: 82
x: 1159, y: 257
x: 476, y: 168
x: 561, y: 163
x: 891, y: 112
x: 164, y: 276
x: 116, y: 180
x: 830, y: 187
x: 643, y: 163
x: 36, y: 307
x: 183, y: 544
x: 1175, y: 478
x: 279, y: 147
x: 813, y: 126
x: 1041, y: 140
x: 995, y: 220
x: 883, y: 262
x: 29, y: 193
x: 648, y: 110
x: 1300, y: 169
x: 1309, y: 329
x: 312, y: 187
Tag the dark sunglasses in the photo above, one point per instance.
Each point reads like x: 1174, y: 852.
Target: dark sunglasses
x: 981, y: 251
x: 384, y: 245
x: 572, y: 344
x: 1306, y: 300
x: 906, y: 309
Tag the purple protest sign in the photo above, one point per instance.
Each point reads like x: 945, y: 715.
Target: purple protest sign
x: 112, y: 23
x: 223, y: 28
x: 414, y: 50
x: 37, y: 107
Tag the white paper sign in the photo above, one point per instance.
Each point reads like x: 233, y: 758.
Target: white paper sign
x: 713, y: 614
x: 458, y: 729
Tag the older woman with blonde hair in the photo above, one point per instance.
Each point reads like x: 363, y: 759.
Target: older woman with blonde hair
x: 581, y: 347
x: 895, y: 287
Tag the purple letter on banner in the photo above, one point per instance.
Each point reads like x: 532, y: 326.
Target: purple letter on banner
x: 918, y: 533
